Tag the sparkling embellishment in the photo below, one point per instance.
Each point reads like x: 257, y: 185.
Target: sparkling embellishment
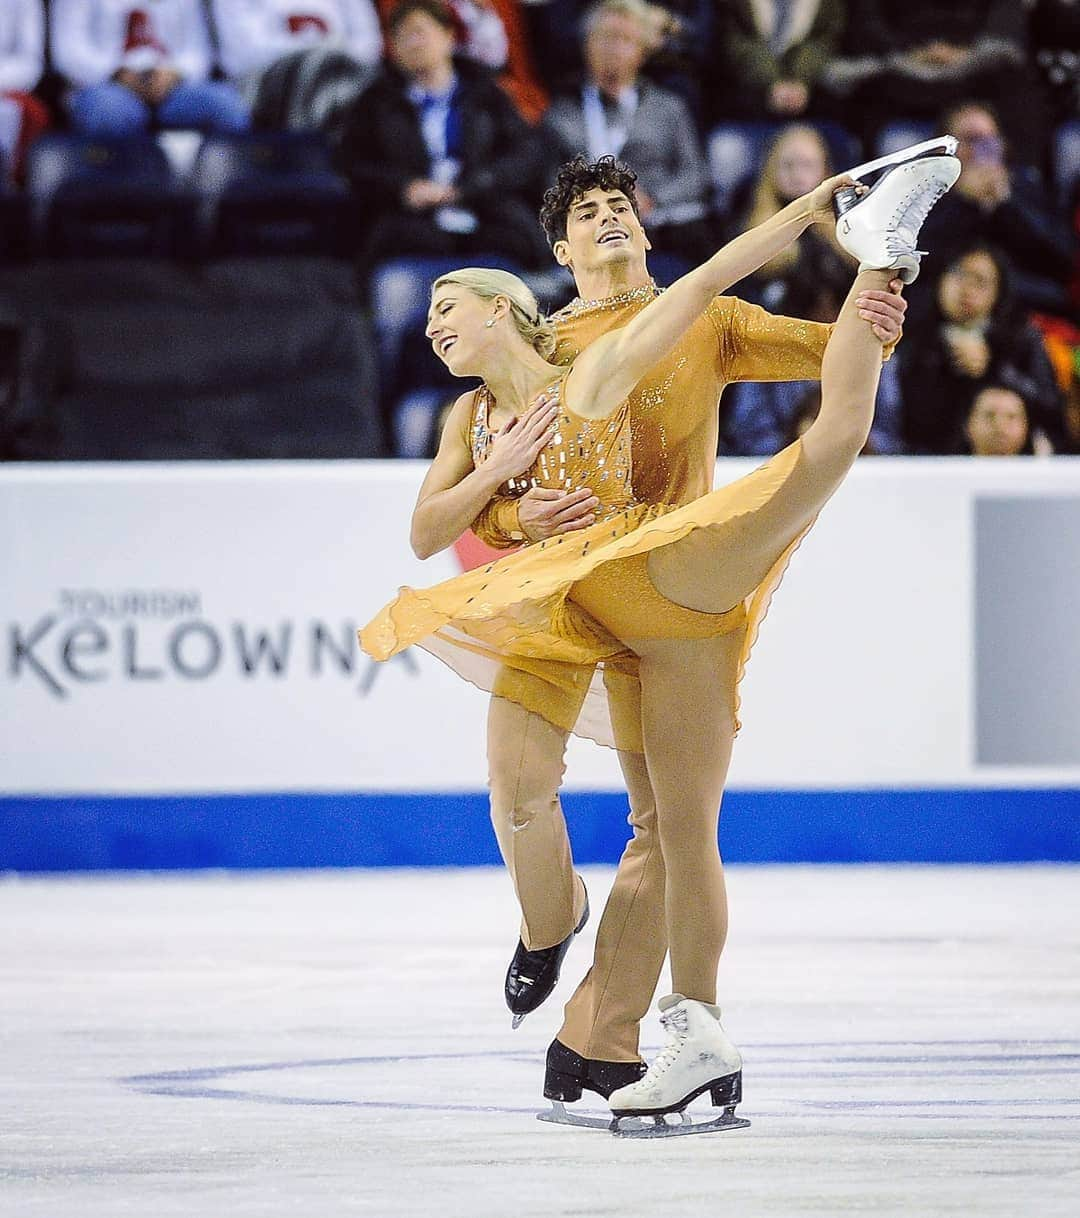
x: 648, y: 291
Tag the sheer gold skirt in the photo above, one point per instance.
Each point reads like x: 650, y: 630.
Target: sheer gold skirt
x: 520, y: 627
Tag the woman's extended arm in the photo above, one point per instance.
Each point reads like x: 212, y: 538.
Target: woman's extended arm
x: 609, y: 368
x: 454, y: 491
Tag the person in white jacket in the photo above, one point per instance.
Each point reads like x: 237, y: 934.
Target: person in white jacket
x: 253, y: 34
x: 298, y: 63
x: 134, y: 63
x: 22, y: 62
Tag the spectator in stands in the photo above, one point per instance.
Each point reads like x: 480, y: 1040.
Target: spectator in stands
x: 616, y: 111
x: 808, y: 279
x: 1055, y: 43
x: 133, y: 63
x: 1003, y: 205
x: 279, y: 53
x: 913, y: 58
x: 684, y: 34
x: 22, y: 62
x: 974, y: 334
x: 439, y: 159
x: 997, y: 424
x: 493, y: 33
x: 771, y: 56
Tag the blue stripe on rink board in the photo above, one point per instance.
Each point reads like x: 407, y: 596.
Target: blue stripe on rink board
x: 92, y: 833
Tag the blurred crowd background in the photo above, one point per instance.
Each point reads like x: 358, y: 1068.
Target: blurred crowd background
x: 219, y: 218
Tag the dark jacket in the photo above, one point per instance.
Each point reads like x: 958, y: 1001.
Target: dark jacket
x: 878, y: 27
x: 1025, y: 227
x: 382, y: 149
x: 750, y: 61
x: 936, y: 397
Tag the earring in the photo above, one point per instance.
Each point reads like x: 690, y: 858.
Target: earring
x: 490, y: 322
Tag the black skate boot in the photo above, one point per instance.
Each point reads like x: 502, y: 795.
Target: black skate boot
x: 568, y: 1074
x: 533, y: 975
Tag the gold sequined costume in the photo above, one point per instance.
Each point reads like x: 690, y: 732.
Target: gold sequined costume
x: 543, y: 626
x: 672, y: 423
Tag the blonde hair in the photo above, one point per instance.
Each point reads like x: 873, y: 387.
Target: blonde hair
x: 652, y: 20
x: 767, y: 201
x: 489, y: 284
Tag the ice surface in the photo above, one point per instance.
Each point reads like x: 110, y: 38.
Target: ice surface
x: 255, y: 1045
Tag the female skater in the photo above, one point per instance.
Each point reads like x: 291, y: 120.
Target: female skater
x: 672, y: 596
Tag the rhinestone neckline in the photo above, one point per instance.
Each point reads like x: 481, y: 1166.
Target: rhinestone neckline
x: 645, y: 292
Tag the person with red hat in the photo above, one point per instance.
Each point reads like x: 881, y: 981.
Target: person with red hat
x: 133, y: 64
x: 22, y: 61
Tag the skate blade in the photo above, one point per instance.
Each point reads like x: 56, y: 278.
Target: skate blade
x: 658, y: 1126
x: 517, y: 1021
x: 559, y: 1115
x: 943, y: 145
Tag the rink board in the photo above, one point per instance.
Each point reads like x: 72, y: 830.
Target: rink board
x: 390, y: 830
x: 180, y: 684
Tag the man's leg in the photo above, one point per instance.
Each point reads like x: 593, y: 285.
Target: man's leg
x: 108, y: 109
x: 209, y: 105
x: 602, y: 1018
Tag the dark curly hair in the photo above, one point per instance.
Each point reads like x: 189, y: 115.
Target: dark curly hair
x: 576, y: 178
x: 437, y: 10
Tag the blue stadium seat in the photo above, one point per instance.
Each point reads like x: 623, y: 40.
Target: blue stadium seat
x: 92, y: 196
x: 269, y: 193
x: 736, y: 152
x: 414, y: 419
x: 666, y: 268
x: 12, y: 218
x: 894, y: 136
x: 1066, y: 152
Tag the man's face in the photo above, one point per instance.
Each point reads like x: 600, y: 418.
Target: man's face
x: 997, y: 425
x: 601, y: 231
x: 421, y: 44
x: 615, y: 48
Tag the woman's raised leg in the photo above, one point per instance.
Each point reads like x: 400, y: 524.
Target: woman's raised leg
x: 717, y: 566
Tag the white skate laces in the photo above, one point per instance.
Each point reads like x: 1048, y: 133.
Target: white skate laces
x: 909, y: 216
x: 881, y: 228
x: 677, y: 1025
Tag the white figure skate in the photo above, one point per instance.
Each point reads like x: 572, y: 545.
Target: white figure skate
x: 697, y: 1058
x: 881, y: 226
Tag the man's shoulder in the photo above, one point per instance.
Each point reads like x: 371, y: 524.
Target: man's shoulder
x: 476, y: 79
x: 388, y: 86
x: 657, y: 98
x: 723, y: 310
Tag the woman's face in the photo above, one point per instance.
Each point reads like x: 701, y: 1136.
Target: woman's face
x: 457, y: 327
x: 997, y: 425
x: 969, y: 288
x: 800, y: 165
